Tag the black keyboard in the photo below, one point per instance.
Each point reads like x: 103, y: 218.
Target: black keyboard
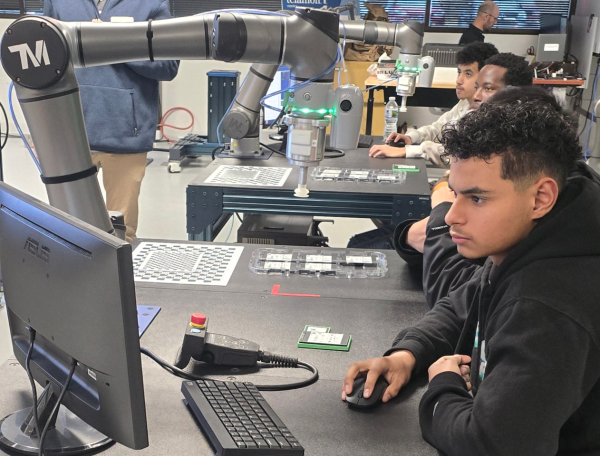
x: 238, y: 420
x: 365, y: 142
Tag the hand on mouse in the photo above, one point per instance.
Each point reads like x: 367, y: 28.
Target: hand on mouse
x: 395, y: 137
x: 452, y: 363
x: 395, y: 368
x: 381, y: 150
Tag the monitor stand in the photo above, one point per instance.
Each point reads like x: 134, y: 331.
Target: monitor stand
x: 67, y: 435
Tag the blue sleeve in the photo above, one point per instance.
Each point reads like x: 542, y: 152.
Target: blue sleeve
x: 48, y: 10
x: 161, y: 70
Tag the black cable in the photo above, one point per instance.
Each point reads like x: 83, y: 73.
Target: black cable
x: 5, y: 120
x: 272, y: 150
x: 239, y: 218
x: 56, y: 407
x: 278, y: 118
x: 212, y: 154
x: 31, y: 380
x: 338, y: 152
x: 285, y: 362
x: 160, y: 150
x: 290, y: 386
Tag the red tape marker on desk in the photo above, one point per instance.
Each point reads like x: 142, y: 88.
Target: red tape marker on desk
x: 275, y: 291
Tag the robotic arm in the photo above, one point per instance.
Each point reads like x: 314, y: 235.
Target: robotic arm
x: 39, y: 55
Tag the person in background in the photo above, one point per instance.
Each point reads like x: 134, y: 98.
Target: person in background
x: 420, y: 142
x: 487, y: 16
x: 120, y: 103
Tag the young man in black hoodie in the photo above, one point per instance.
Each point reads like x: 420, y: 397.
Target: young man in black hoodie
x: 529, y: 317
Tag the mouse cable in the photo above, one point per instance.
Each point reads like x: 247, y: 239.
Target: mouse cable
x: 267, y: 361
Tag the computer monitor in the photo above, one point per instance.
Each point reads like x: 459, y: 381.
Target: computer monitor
x: 73, y: 284
x: 554, y: 38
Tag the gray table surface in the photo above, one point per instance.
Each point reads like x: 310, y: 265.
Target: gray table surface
x: 416, y: 183
x: 371, y: 310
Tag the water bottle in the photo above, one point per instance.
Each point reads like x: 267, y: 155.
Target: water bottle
x: 391, y: 118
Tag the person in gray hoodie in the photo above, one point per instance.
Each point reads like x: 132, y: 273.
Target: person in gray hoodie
x: 527, y: 321
x: 120, y: 102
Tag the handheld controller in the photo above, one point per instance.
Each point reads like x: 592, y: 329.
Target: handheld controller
x: 216, y: 349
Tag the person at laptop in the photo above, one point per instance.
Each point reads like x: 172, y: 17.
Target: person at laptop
x: 487, y: 16
x: 527, y: 321
x: 419, y: 143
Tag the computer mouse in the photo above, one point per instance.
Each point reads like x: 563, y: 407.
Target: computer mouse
x: 356, y: 399
x: 399, y: 143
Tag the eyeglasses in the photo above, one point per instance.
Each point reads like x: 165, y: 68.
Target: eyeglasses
x: 495, y: 17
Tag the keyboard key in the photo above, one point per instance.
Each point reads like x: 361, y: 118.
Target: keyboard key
x: 261, y: 444
x: 272, y: 443
x: 282, y: 442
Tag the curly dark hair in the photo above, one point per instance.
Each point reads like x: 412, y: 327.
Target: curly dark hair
x: 476, y: 52
x: 518, y: 72
x: 527, y: 128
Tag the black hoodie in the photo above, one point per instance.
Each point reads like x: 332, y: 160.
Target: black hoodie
x: 444, y: 269
x: 536, y: 364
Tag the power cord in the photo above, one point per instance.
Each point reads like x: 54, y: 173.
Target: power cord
x: 267, y: 359
x: 56, y: 406
x: 278, y: 152
x: 32, y: 333
x: 338, y: 152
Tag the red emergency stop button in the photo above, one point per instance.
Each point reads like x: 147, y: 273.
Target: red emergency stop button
x: 198, y: 320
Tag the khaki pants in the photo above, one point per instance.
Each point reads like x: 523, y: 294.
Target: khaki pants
x: 122, y: 179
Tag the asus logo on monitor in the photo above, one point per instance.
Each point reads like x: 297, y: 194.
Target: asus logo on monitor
x: 32, y: 246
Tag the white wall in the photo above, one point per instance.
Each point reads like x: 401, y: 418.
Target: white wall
x: 588, y: 7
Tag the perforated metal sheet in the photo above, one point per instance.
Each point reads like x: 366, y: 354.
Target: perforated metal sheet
x: 164, y: 262
x: 249, y: 175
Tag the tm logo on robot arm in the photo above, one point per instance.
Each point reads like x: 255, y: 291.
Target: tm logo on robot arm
x: 40, y: 57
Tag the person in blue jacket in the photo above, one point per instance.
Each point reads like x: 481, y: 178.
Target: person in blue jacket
x: 120, y: 102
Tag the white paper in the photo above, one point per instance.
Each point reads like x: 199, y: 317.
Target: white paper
x: 277, y: 265
x: 318, y: 267
x: 358, y: 259
x: 318, y: 258
x: 551, y: 47
x: 187, y: 264
x: 279, y: 257
x: 359, y: 174
x: 325, y: 338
